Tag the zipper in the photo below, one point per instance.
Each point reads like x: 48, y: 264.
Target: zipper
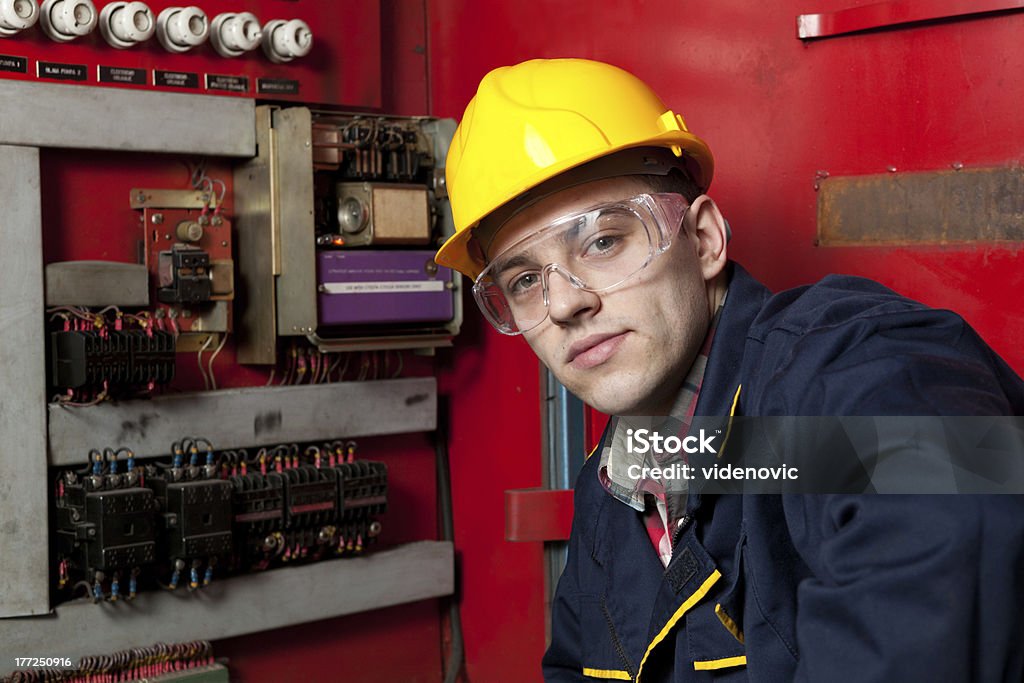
x: 681, y: 525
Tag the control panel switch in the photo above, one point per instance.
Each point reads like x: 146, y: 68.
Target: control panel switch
x: 179, y: 29
x: 17, y: 15
x: 283, y: 41
x: 65, y: 20
x: 234, y: 33
x: 124, y: 24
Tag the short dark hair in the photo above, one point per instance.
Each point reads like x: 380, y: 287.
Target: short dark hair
x: 676, y: 181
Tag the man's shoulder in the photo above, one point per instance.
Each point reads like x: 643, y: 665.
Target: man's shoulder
x: 839, y: 301
x: 849, y: 345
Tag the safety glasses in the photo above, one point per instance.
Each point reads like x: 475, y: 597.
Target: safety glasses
x: 595, y: 250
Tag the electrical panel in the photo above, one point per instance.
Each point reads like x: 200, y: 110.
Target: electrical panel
x: 212, y: 244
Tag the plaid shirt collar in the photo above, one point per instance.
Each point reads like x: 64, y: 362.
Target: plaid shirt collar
x: 616, y: 459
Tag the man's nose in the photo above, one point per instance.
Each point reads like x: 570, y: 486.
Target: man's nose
x: 567, y: 302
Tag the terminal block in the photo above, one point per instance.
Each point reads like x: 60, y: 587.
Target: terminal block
x: 363, y: 495
x: 312, y: 505
x: 90, y: 358
x: 258, y: 519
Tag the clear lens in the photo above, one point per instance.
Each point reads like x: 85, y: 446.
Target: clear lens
x: 595, y: 250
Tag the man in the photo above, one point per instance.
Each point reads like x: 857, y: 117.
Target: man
x: 580, y: 214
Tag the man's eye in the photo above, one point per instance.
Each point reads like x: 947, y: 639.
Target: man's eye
x: 523, y: 283
x: 602, y: 245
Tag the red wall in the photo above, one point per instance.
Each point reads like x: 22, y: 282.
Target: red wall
x: 774, y: 110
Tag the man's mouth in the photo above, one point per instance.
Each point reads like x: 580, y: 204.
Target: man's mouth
x: 591, y: 351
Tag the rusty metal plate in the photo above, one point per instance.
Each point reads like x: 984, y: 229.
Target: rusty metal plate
x: 938, y: 207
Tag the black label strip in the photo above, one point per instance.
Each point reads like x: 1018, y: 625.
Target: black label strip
x: 61, y: 72
x: 18, y: 65
x: 121, y: 74
x: 227, y: 83
x: 276, y: 86
x: 176, y: 79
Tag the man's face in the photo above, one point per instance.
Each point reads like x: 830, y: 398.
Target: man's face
x: 625, y: 351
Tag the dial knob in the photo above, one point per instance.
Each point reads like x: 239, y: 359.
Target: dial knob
x: 180, y: 29
x: 235, y: 33
x: 17, y: 15
x: 65, y: 20
x: 283, y: 41
x: 124, y: 24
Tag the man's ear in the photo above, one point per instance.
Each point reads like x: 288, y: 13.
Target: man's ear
x: 711, y: 234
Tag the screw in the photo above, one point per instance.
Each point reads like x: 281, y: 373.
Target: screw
x: 818, y: 177
x: 92, y: 532
x: 307, y: 143
x: 224, y: 243
x: 204, y: 220
x: 141, y: 197
x: 891, y: 169
x: 957, y: 165
x: 217, y: 220
x: 295, y: 328
x: 157, y: 219
x: 167, y: 236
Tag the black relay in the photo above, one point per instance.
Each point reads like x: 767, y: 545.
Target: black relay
x: 184, y: 276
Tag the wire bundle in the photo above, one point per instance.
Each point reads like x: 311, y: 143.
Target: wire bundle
x: 125, y: 665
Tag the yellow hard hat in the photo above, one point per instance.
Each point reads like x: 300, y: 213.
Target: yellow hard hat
x: 533, y: 121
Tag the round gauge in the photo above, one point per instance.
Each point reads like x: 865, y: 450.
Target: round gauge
x: 352, y: 215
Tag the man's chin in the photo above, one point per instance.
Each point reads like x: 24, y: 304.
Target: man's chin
x: 605, y: 391
x: 612, y: 402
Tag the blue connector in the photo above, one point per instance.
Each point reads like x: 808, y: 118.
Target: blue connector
x: 208, y: 577
x: 97, y: 591
x: 115, y: 589
x: 175, y: 578
x: 133, y: 586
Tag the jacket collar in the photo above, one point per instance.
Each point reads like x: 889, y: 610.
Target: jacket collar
x: 721, y: 378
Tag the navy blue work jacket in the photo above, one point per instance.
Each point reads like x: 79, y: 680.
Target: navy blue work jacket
x: 822, y: 588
